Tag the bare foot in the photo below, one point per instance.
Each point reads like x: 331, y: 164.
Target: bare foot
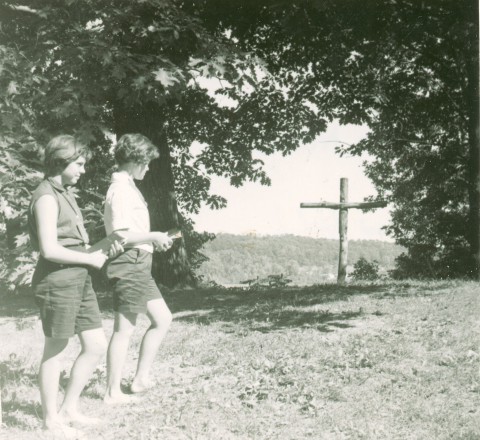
x: 61, y: 431
x: 139, y: 386
x: 119, y: 399
x: 72, y: 417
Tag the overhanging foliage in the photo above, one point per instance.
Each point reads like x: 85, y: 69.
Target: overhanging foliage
x: 407, y: 69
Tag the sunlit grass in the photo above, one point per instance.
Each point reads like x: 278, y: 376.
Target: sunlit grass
x: 370, y: 361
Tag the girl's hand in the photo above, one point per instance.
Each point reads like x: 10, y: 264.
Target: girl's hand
x: 97, y: 259
x: 162, y: 242
x: 116, y: 248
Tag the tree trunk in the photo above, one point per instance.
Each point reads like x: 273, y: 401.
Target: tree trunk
x: 474, y: 150
x: 170, y: 268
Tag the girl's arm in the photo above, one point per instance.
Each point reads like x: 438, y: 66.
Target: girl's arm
x: 119, y: 211
x: 160, y: 240
x: 46, y: 213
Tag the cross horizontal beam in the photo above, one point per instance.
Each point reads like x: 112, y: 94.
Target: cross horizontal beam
x: 330, y: 205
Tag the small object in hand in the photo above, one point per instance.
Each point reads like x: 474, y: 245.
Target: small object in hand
x: 174, y: 233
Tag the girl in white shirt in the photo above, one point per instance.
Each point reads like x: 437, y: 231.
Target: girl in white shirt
x: 134, y: 289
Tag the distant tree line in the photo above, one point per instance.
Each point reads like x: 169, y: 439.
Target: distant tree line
x: 236, y: 258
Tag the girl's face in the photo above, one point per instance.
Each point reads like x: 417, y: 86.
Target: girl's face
x: 74, y: 170
x: 139, y: 170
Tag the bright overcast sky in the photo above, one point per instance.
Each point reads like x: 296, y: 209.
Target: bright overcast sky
x: 310, y: 174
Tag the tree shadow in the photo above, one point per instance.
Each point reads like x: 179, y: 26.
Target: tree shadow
x: 268, y: 309
x: 413, y: 289
x: 18, y: 305
x: 272, y: 309
x: 236, y: 304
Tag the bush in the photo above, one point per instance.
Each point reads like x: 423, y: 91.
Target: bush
x: 271, y: 281
x: 365, y: 270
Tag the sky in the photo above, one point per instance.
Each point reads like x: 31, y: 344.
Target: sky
x: 310, y: 174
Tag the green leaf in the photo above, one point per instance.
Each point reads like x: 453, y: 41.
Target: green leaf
x: 12, y: 88
x: 165, y: 77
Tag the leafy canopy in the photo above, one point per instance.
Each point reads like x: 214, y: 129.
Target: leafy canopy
x: 69, y: 65
x: 407, y: 69
x: 283, y: 70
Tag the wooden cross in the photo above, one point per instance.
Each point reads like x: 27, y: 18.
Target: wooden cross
x: 343, y: 208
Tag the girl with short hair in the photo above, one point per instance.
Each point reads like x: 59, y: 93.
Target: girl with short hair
x: 62, y: 283
x: 134, y: 289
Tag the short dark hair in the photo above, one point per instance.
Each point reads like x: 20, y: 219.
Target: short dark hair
x: 135, y: 147
x: 61, y: 151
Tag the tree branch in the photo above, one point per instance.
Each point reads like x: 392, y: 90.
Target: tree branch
x: 21, y: 8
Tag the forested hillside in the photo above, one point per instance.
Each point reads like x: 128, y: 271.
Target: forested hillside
x: 236, y: 258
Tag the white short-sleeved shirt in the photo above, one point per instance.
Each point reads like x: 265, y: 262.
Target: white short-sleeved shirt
x: 125, y: 207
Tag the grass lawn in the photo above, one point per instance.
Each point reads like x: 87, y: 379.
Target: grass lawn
x: 387, y: 361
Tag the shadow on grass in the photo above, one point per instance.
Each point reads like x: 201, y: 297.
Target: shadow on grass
x: 269, y: 309
x: 274, y: 309
x: 262, y: 309
x: 18, y: 305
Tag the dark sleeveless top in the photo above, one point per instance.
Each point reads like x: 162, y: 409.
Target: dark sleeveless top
x: 70, y: 228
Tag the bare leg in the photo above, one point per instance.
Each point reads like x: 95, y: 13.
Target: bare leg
x: 49, y: 377
x: 94, y: 346
x: 160, y: 318
x: 117, y: 353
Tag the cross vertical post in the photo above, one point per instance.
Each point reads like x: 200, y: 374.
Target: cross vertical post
x: 343, y: 232
x: 343, y: 206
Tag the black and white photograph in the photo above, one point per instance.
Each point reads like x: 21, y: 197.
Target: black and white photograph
x: 239, y: 220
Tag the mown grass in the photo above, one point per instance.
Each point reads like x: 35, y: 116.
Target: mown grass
x: 386, y: 361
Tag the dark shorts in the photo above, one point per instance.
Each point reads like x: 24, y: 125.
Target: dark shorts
x: 68, y: 304
x: 131, y: 281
